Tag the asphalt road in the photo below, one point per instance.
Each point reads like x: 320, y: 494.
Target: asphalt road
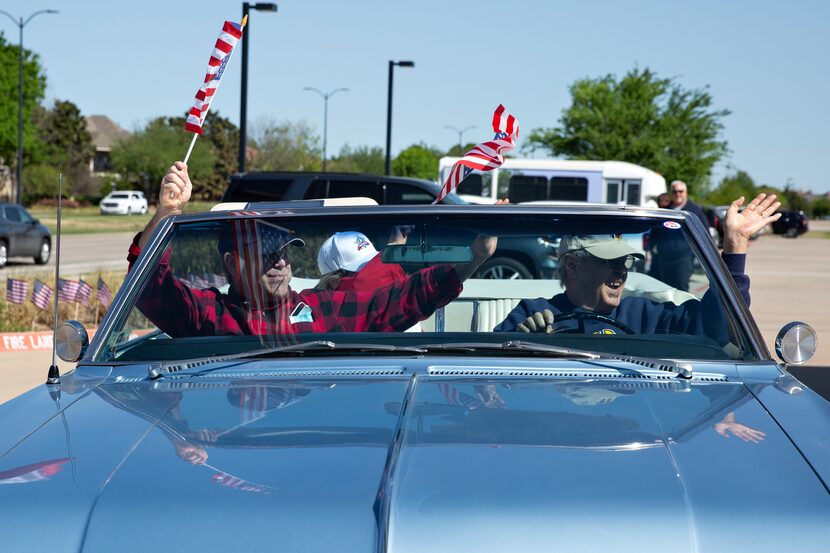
x: 80, y: 254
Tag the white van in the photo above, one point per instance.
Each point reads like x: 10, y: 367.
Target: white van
x: 526, y: 180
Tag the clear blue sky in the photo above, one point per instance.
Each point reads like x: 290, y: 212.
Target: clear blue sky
x: 768, y: 62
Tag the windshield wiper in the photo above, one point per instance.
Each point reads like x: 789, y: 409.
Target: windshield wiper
x: 301, y: 348
x: 517, y: 345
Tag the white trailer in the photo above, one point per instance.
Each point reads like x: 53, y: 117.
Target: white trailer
x: 523, y: 180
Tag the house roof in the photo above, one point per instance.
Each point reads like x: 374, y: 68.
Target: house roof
x: 105, y: 132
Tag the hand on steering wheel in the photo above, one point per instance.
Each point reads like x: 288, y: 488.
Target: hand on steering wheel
x: 543, y: 321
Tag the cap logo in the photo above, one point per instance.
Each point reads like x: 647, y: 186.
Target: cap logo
x: 616, y: 236
x: 361, y: 243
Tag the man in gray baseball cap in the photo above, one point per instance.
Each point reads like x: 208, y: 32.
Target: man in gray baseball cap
x: 593, y: 270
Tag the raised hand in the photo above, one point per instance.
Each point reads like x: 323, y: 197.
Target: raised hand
x: 739, y: 226
x: 175, y: 189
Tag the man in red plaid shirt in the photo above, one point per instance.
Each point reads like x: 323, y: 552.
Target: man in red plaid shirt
x: 260, y: 300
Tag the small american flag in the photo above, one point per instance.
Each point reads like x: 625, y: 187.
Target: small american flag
x: 84, y: 292
x: 16, y: 290
x: 215, y: 280
x: 230, y: 35
x: 198, y: 281
x: 103, y: 293
x: 41, y: 295
x: 487, y: 155
x: 230, y: 481
x: 67, y: 289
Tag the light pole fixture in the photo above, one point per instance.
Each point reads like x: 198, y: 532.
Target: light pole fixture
x: 392, y: 65
x: 325, y: 96
x: 460, y: 134
x: 243, y: 100
x: 20, y: 22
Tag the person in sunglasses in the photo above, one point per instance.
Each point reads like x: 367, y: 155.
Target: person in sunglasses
x: 256, y: 255
x: 593, y: 270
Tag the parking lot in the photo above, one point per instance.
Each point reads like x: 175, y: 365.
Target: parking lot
x: 788, y: 280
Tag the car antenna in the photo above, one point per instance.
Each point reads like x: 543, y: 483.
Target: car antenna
x: 54, y: 376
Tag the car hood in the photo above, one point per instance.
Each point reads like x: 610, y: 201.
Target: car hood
x: 453, y: 459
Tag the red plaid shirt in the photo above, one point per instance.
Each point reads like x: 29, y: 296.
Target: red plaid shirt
x: 182, y: 311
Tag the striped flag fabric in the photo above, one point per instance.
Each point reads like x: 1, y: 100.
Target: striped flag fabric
x: 230, y: 481
x: 215, y: 280
x: 103, y: 293
x: 487, y: 155
x: 84, y: 292
x: 67, y: 289
x: 16, y: 290
x: 41, y: 295
x: 228, y: 38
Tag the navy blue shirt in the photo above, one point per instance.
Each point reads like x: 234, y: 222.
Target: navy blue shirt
x: 642, y: 315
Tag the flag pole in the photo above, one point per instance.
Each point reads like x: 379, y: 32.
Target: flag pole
x: 54, y: 373
x: 190, y: 149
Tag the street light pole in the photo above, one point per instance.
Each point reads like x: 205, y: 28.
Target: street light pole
x: 21, y: 23
x: 460, y: 134
x: 325, y: 96
x: 392, y: 64
x: 243, y: 92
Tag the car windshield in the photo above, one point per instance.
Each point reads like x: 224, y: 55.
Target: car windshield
x: 320, y: 284
x: 119, y: 196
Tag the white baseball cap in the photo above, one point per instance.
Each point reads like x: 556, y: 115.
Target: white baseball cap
x: 345, y: 250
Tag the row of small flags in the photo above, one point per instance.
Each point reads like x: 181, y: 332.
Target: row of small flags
x: 69, y: 291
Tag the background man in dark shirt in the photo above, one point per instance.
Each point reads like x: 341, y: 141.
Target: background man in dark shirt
x: 672, y: 260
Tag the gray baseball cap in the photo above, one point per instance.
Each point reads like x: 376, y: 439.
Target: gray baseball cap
x: 603, y: 246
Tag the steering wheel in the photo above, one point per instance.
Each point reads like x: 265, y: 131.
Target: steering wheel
x: 582, y: 316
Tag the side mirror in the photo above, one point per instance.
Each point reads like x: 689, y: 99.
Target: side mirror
x: 796, y: 343
x: 35, y: 221
x: 71, y: 341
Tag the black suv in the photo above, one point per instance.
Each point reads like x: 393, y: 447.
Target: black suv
x: 514, y: 258
x: 791, y: 224
x: 279, y: 186
x: 22, y: 235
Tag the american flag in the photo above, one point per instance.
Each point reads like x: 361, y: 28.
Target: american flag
x: 84, y: 292
x: 215, y: 280
x: 67, y: 289
x: 487, y: 155
x: 230, y: 481
x: 103, y: 293
x: 258, y: 245
x: 230, y: 35
x: 16, y: 290
x: 32, y: 473
x: 195, y: 281
x: 41, y: 295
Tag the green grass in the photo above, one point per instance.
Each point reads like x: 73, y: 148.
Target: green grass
x: 88, y: 220
x: 817, y: 234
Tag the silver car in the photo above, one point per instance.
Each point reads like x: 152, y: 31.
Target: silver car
x: 233, y: 401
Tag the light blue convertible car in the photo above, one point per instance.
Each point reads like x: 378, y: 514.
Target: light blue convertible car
x: 235, y: 398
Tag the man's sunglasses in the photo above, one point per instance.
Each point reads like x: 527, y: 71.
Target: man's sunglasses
x: 626, y: 262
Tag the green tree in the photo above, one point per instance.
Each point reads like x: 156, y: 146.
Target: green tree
x: 223, y: 137
x: 793, y: 199
x: 41, y: 181
x: 34, y: 88
x: 362, y: 159
x: 459, y: 151
x: 286, y: 146
x: 145, y: 156
x: 731, y: 187
x: 418, y: 160
x: 820, y: 207
x: 641, y: 119
x: 65, y: 144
